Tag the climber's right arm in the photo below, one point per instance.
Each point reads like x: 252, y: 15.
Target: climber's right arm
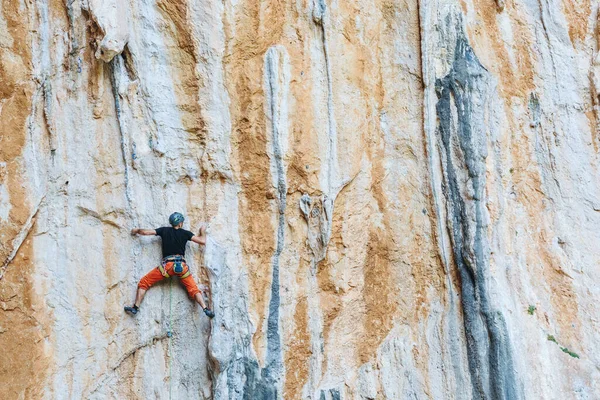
x: 145, y: 232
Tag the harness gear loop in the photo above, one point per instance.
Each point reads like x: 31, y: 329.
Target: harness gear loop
x: 188, y: 273
x: 163, y: 272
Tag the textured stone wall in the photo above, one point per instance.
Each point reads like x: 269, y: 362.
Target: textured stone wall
x: 403, y: 198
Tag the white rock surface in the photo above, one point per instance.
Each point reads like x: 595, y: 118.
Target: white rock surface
x: 403, y: 198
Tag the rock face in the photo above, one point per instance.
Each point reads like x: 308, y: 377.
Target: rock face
x: 403, y: 198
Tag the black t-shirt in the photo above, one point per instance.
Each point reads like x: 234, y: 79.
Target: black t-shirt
x: 173, y: 240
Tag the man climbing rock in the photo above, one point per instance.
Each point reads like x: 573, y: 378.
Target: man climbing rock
x: 174, y: 239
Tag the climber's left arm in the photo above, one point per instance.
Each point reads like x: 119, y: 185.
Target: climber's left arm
x: 201, y: 238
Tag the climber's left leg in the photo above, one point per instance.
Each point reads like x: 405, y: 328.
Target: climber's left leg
x: 196, y: 294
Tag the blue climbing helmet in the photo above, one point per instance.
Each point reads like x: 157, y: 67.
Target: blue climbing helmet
x: 176, y: 218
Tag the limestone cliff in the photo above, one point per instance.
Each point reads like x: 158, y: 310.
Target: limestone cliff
x: 402, y: 196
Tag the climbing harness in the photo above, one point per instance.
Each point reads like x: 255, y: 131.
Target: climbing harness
x: 180, y: 267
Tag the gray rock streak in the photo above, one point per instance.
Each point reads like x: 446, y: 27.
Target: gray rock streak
x: 462, y: 138
x: 275, y: 78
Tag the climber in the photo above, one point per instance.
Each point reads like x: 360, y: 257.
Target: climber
x: 174, y: 239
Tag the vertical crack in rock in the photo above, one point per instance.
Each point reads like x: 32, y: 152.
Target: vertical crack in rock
x: 319, y: 17
x: 462, y: 96
x: 116, y: 67
x: 276, y: 82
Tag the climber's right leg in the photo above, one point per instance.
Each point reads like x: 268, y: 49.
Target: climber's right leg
x: 139, y: 296
x: 146, y: 282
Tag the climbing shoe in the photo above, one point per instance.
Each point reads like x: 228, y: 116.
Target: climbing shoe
x: 209, y: 313
x: 132, y: 310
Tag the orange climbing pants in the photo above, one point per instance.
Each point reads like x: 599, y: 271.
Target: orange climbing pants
x: 155, y: 276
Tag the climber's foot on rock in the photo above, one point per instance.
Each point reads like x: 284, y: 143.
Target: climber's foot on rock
x: 132, y: 310
x: 209, y: 313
